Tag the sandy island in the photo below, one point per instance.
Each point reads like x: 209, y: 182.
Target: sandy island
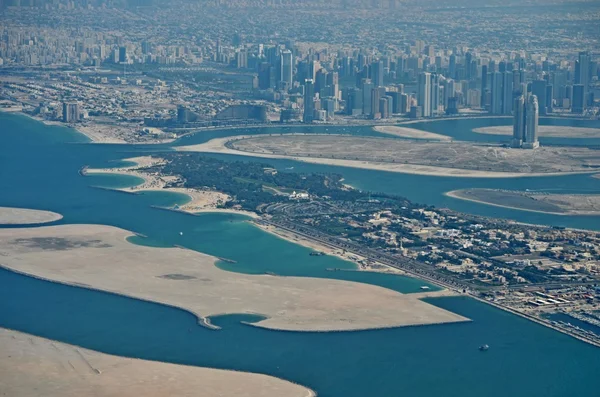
x: 343, y: 151
x: 546, y: 203
x: 411, y: 133
x: 23, y: 216
x: 200, y: 200
x: 190, y: 280
x: 545, y: 131
x: 34, y: 366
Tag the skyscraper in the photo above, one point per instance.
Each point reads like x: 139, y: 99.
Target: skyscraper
x: 435, y: 93
x: 578, y: 100
x: 484, y: 79
x: 309, y: 106
x: 518, y: 121
x: 264, y: 76
x: 287, y: 67
x: 582, y: 70
x: 496, y: 101
x: 531, y: 123
x: 538, y: 88
x: 377, y: 73
x: 123, y: 54
x: 507, y: 92
x: 366, y: 99
x: 424, y: 92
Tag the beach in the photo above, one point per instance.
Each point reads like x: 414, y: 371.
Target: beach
x: 190, y: 280
x: 23, y: 216
x: 34, y: 366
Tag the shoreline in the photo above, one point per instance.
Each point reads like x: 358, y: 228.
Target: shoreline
x: 455, y: 194
x: 319, y: 246
x: 97, y: 371
x: 545, y: 131
x: 469, y: 294
x: 200, y: 201
x: 218, y: 145
x: 17, y: 216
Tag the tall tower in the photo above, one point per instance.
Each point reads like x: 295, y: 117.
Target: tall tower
x: 507, y: 92
x: 484, y: 79
x: 287, y: 67
x: 309, y: 105
x: 496, y: 103
x: 435, y: 93
x: 518, y: 122
x: 538, y: 88
x: 425, y: 93
x: 377, y: 73
x: 531, y: 120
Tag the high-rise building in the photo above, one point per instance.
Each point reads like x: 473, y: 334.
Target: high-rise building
x: 496, y: 94
x: 264, y: 76
x: 538, y: 88
x: 287, y: 67
x: 452, y: 66
x: 424, y: 92
x: 507, y: 92
x: 484, y: 79
x: 435, y: 93
x: 582, y: 71
x: 377, y: 73
x: 578, y: 99
x: 531, y: 123
x: 518, y: 121
x: 549, y: 98
x: 367, y: 88
x: 123, y: 54
x: 70, y: 112
x: 309, y: 105
x: 375, y: 96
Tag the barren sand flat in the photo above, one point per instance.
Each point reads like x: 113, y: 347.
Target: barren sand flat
x: 412, y: 133
x: 34, y: 366
x: 189, y: 280
x: 545, y: 131
x: 455, y: 159
x: 23, y: 216
x: 556, y: 204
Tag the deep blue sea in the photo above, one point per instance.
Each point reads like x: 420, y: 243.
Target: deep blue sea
x: 39, y: 168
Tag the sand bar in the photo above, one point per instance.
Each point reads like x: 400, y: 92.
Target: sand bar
x: 34, y: 366
x: 23, y: 216
x: 548, y: 131
x: 189, y: 280
x: 411, y: 133
x: 395, y: 148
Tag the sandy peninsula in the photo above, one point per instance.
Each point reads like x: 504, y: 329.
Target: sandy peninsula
x: 451, y: 159
x: 410, y: 133
x: 23, y: 216
x: 545, y: 131
x: 547, y: 203
x: 34, y: 366
x: 190, y: 280
x: 201, y: 201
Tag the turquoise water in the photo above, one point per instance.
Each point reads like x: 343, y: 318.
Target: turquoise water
x: 525, y: 359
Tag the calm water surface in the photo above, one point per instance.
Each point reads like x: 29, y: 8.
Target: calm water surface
x: 39, y: 169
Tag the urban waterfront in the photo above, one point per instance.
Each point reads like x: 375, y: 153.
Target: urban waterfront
x: 524, y: 359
